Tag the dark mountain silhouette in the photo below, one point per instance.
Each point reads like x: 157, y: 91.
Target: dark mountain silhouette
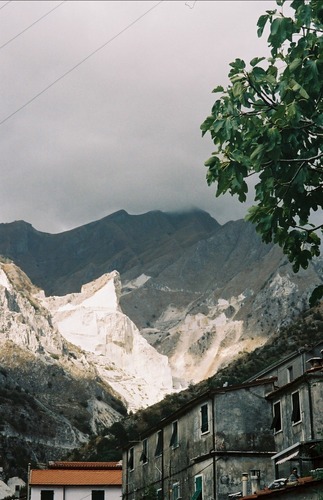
x: 131, y: 244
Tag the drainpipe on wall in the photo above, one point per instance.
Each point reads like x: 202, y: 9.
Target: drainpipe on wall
x: 28, y: 482
x: 127, y: 476
x: 214, y: 457
x: 303, y: 362
x: 163, y: 472
x: 310, y: 404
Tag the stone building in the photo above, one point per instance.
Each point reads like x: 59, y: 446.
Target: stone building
x: 297, y: 407
x: 202, y: 450
x: 234, y: 439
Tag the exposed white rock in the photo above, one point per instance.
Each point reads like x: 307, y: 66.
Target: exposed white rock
x: 93, y: 321
x: 282, y: 286
x: 205, y: 342
x: 136, y: 283
x: 4, y: 280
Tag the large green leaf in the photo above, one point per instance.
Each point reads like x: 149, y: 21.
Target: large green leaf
x: 269, y: 122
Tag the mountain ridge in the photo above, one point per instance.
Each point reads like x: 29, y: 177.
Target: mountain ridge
x: 188, y: 283
x: 55, y: 390
x: 113, y: 242
x: 189, y: 298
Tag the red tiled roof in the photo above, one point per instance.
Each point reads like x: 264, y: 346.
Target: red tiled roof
x: 76, y: 477
x: 85, y: 465
x: 303, y: 482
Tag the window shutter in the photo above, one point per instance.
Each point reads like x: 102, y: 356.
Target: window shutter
x: 47, y: 494
x: 144, y: 453
x: 131, y: 459
x: 174, y: 438
x: 159, y: 447
x: 276, y: 423
x: 204, y: 418
x: 296, y: 413
x: 97, y: 494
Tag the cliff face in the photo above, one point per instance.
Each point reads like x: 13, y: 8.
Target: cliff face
x: 198, y: 292
x: 52, y: 397
x: 223, y: 296
x: 144, y: 306
x: 93, y: 320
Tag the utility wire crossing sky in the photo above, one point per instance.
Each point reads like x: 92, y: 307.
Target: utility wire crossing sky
x: 89, y: 127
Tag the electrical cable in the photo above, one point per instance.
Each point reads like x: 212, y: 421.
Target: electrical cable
x: 31, y: 25
x: 5, y: 5
x: 80, y: 62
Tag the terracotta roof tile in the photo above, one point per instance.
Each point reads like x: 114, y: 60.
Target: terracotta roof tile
x: 77, y: 477
x: 302, y: 482
x: 85, y: 465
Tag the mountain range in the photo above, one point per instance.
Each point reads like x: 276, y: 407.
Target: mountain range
x: 198, y: 292
x: 111, y: 316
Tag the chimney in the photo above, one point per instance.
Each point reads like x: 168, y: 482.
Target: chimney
x: 244, y: 484
x: 315, y: 363
x: 255, y: 480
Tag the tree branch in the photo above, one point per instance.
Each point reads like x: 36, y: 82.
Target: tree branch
x: 269, y: 103
x: 296, y: 160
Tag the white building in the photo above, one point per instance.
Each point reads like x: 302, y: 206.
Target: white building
x: 77, y: 481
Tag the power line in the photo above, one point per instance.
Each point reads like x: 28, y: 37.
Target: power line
x: 80, y: 62
x: 31, y: 25
x: 5, y: 5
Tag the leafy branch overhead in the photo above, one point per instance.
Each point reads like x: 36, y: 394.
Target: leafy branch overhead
x: 269, y: 123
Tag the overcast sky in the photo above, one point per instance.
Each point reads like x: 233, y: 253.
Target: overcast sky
x: 122, y: 129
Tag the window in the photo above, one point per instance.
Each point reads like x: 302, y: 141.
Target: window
x: 176, y: 493
x: 160, y: 444
x: 174, y: 439
x: 131, y: 463
x: 198, y: 487
x: 97, y: 495
x: 277, y: 420
x: 144, y: 453
x: 204, y: 418
x: 47, y: 495
x: 290, y: 374
x: 296, y: 409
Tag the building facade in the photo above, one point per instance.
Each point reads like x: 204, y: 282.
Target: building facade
x: 76, y: 481
x: 298, y: 424
x: 204, y: 449
x: 234, y: 439
x: 297, y: 408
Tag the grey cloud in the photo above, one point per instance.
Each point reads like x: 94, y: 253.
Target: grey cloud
x: 122, y: 130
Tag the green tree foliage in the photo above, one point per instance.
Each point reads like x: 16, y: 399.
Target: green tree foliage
x: 269, y: 123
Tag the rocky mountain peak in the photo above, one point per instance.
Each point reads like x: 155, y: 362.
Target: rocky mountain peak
x: 119, y: 312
